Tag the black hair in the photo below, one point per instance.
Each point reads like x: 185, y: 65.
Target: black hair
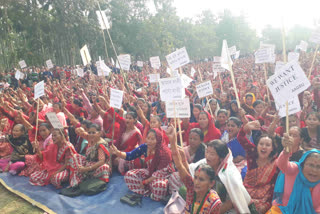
x: 157, y: 117
x: 236, y: 120
x: 224, y: 111
x: 133, y: 114
x: 22, y: 127
x: 96, y: 126
x: 257, y: 102
x: 314, y: 154
x: 77, y: 102
x: 198, y: 106
x: 208, y: 170
x: 213, y: 100
x: 47, y: 125
x: 58, y: 104
x: 248, y: 95
x: 314, y: 113
x: 220, y: 147
x: 273, y: 141
x: 87, y: 123
x: 198, y: 132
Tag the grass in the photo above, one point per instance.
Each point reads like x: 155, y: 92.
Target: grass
x: 14, y: 204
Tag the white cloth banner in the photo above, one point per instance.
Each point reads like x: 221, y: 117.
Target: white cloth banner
x: 178, y: 108
x: 49, y: 64
x: 315, y: 37
x: 263, y: 55
x: 39, y: 90
x: 226, y: 61
x: 103, y: 20
x: 186, y: 80
x: 171, y: 89
x: 293, y: 107
x: 54, y: 120
x: 288, y: 82
x: 140, y: 64
x: 116, y: 97
x: 293, y: 56
x: 154, y: 78
x: 22, y: 64
x: 204, y: 89
x: 155, y: 62
x: 85, y: 55
x: 178, y: 58
x: 216, y: 67
x: 125, y: 62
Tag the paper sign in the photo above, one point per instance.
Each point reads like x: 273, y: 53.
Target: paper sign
x: 49, y: 64
x: 288, y: 82
x: 54, y: 120
x: 171, y: 89
x: 18, y: 75
x: 140, y: 64
x: 216, y: 67
x: 226, y: 61
x: 204, y: 89
x: 186, y: 80
x: 154, y: 78
x: 237, y: 55
x: 116, y: 97
x: 125, y: 62
x: 315, y: 37
x: 193, y: 71
x: 279, y: 65
x: 293, y: 56
x: 80, y: 72
x: 102, y: 68
x: 103, y: 21
x: 263, y: 55
x: 178, y: 58
x: 22, y: 64
x: 39, y: 90
x: 303, y: 46
x: 155, y: 62
x: 85, y: 55
x: 112, y: 62
x: 178, y: 108
x: 273, y: 47
x: 232, y: 50
x: 293, y: 107
x: 217, y: 59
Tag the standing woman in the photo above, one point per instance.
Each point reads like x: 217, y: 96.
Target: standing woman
x: 54, y: 162
x: 154, y: 178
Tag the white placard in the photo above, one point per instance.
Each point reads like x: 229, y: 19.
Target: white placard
x: 175, y: 73
x: 116, y: 97
x: 154, y: 78
x: 39, y: 90
x: 49, y: 64
x: 22, y: 64
x: 85, y: 55
x: 186, y: 80
x: 140, y: 64
x: 103, y: 20
x: 279, y: 65
x: 303, y: 46
x: 293, y: 56
x: 171, y: 89
x: 273, y: 47
x: 178, y: 108
x: 226, y: 61
x: 155, y: 62
x: 204, y: 89
x: 216, y: 67
x: 263, y: 55
x: 80, y: 72
x: 217, y: 59
x: 54, y: 120
x: 232, y: 50
x: 125, y: 62
x: 288, y: 82
x: 193, y: 71
x: 112, y: 62
x: 17, y: 75
x: 293, y: 107
x: 315, y: 37
x: 178, y: 58
x: 237, y: 55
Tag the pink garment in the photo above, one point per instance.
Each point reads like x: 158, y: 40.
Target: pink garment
x: 14, y: 167
x: 291, y: 170
x: 62, y: 118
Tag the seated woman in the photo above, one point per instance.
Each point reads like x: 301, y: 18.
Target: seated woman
x: 154, y: 178
x: 221, y: 121
x: 21, y: 145
x: 262, y: 170
x: 214, y: 107
x: 297, y: 190
x: 311, y: 133
x: 201, y: 198
x: 53, y: 161
x: 95, y: 163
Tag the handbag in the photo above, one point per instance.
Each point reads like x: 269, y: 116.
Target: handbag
x: 176, y: 204
x: 132, y: 199
x: 92, y: 186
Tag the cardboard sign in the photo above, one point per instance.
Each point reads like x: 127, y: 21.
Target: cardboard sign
x: 273, y: 47
x: 155, y: 62
x: 80, y: 72
x: 102, y: 68
x: 125, y: 62
x: 39, y: 90
x: 154, y: 78
x: 102, y: 19
x: 204, y: 89
x: 54, y: 120
x: 186, y: 80
x: 49, y: 64
x: 303, y: 46
x: 226, y: 61
x: 232, y: 50
x: 279, y: 65
x: 178, y: 58
x: 85, y: 55
x: 263, y: 55
x: 140, y: 64
x: 17, y: 75
x: 116, y: 97
x: 216, y: 67
x: 293, y: 107
x: 178, y: 108
x: 171, y: 89
x: 22, y: 64
x: 193, y: 71
x: 217, y: 59
x: 288, y: 82
x: 315, y: 37
x: 293, y: 56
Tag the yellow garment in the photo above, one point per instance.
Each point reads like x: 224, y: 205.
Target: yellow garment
x: 274, y: 210
x: 253, y: 99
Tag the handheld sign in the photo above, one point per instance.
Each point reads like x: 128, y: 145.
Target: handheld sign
x: 49, y: 64
x: 80, y: 72
x: 185, y: 80
x: 102, y: 68
x: 193, y: 71
x: 178, y: 58
x: 54, y: 120
x: 178, y: 108
x: 232, y: 50
x: 237, y: 55
x: 216, y: 67
x: 22, y: 64
x: 217, y: 59
x: 279, y: 65
x: 171, y: 89
x: 125, y: 62
x: 116, y: 97
x: 39, y: 90
x: 288, y: 82
x: 85, y: 55
x: 226, y: 61
x: 155, y: 62
x: 140, y: 64
x: 273, y: 47
x: 204, y: 89
x: 154, y: 78
x: 315, y: 37
x: 303, y: 46
x: 18, y: 75
x: 263, y: 55
x: 293, y: 56
x: 102, y: 19
x: 293, y: 107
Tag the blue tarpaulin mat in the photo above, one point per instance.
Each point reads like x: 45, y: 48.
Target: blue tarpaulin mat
x: 104, y: 202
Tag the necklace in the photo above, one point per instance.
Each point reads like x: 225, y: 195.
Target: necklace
x: 202, y: 202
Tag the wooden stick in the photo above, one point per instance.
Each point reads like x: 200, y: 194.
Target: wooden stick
x: 37, y: 121
x: 180, y: 134
x: 234, y: 86
x: 314, y: 58
x: 220, y: 82
x: 174, y: 115
x: 105, y: 44
x: 113, y: 122
x: 266, y: 77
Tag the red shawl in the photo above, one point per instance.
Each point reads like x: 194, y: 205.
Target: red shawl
x: 213, y: 133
